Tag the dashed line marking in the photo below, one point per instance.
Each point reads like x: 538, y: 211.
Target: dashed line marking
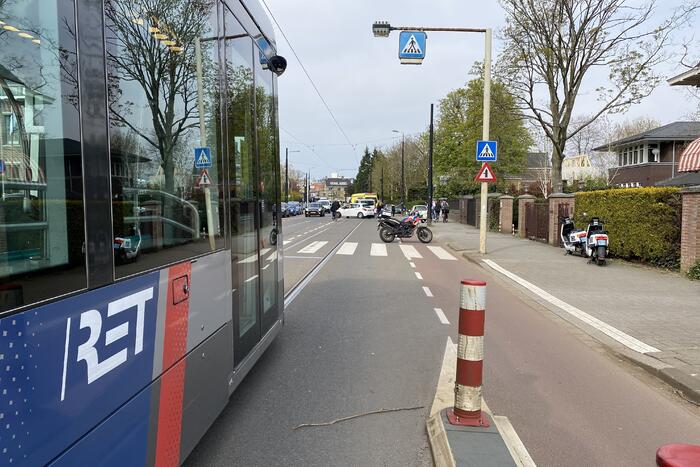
x: 419, y: 275
x: 412, y: 264
x: 441, y: 315
x: 427, y: 291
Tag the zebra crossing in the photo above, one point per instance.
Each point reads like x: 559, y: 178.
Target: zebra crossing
x: 379, y: 250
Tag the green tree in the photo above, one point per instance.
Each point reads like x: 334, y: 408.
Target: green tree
x: 459, y: 126
x: 362, y: 181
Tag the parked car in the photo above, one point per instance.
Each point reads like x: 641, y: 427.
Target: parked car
x: 421, y: 210
x: 293, y: 208
x: 356, y: 210
x: 314, y: 209
x: 285, y: 210
x: 326, y: 204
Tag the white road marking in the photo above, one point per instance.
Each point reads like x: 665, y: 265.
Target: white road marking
x: 302, y: 257
x: 287, y: 242
x: 409, y: 251
x: 266, y: 267
x: 412, y: 264
x: 251, y: 278
x: 623, y: 338
x: 418, y: 275
x: 249, y: 259
x: 273, y: 256
x: 313, y: 247
x: 441, y: 253
x: 378, y: 249
x: 515, y: 446
x: 347, y: 248
x: 441, y: 315
x: 427, y: 291
x: 264, y: 251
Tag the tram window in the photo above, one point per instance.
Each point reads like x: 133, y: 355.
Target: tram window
x: 162, y: 69
x: 41, y: 203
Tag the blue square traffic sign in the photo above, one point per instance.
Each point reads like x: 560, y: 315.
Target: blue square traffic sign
x: 202, y: 158
x: 486, y: 151
x: 412, y: 46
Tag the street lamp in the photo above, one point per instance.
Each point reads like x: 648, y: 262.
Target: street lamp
x: 403, y: 177
x: 381, y: 29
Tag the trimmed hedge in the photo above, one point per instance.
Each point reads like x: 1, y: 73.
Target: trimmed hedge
x: 644, y: 223
x: 694, y: 272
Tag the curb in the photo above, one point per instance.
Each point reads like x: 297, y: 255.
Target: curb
x: 687, y: 387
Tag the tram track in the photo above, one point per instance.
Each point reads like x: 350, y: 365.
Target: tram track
x: 313, y: 272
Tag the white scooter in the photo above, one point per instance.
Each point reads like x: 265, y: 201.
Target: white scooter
x: 572, y: 239
x: 596, y: 242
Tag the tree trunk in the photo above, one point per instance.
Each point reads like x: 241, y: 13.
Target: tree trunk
x: 557, y: 158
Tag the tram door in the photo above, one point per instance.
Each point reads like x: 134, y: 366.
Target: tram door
x: 244, y: 194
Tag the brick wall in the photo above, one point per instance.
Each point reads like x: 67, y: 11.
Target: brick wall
x: 556, y: 200
x: 523, y: 201
x: 690, y: 228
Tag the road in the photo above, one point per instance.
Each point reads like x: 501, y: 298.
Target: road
x: 364, y: 335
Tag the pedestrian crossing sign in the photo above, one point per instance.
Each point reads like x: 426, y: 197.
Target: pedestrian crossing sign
x: 204, y: 179
x: 412, y: 47
x: 485, y: 174
x: 202, y: 158
x: 486, y: 151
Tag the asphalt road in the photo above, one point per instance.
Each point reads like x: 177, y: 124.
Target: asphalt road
x: 364, y: 336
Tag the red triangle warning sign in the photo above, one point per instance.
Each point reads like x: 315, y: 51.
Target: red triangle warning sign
x: 485, y: 174
x: 204, y: 179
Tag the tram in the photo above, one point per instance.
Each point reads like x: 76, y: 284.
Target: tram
x: 140, y: 273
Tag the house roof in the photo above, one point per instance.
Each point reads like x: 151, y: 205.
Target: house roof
x: 684, y: 179
x: 537, y: 160
x: 676, y: 131
x: 689, y: 78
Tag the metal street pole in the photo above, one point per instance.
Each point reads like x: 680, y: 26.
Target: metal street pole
x: 485, y: 136
x: 403, y: 176
x: 430, y: 170
x: 286, y: 175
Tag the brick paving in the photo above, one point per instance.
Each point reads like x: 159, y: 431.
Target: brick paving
x: 660, y: 308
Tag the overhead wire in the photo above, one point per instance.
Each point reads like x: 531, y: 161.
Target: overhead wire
x: 313, y: 84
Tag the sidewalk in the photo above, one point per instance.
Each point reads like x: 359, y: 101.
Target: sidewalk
x: 661, y: 309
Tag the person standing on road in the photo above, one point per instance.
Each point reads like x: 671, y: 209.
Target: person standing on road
x: 436, y: 210
x: 334, y: 208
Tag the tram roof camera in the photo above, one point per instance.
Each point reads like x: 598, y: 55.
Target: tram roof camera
x: 278, y: 64
x: 381, y: 29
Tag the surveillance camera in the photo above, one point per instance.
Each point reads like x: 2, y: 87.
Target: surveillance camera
x: 277, y: 64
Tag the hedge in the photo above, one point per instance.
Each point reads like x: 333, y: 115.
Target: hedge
x: 644, y: 224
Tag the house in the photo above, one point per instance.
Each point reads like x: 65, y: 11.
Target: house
x: 335, y: 187
x: 538, y: 167
x: 652, y: 156
x: 576, y: 168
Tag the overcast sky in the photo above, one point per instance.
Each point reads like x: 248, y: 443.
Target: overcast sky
x: 371, y: 93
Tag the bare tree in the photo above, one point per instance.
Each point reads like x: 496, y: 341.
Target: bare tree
x: 165, y: 73
x: 551, y: 46
x: 590, y: 136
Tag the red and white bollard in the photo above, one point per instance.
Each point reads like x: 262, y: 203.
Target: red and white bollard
x: 470, y: 356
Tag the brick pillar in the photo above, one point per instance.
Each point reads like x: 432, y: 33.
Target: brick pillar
x: 690, y: 228
x: 506, y: 213
x: 523, y: 202
x: 556, y: 200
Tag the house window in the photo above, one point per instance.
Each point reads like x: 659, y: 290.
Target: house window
x: 636, y: 155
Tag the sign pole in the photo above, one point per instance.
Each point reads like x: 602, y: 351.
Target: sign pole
x: 487, y: 120
x: 430, y: 170
x: 203, y: 137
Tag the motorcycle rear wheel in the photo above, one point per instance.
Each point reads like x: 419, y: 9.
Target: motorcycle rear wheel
x: 386, y: 235
x: 424, y: 234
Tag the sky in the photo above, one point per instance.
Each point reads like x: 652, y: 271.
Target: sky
x: 371, y: 93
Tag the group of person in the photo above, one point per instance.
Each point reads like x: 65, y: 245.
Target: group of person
x: 440, y: 208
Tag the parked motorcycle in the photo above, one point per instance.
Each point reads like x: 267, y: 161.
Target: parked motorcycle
x: 572, y: 239
x: 390, y: 228
x: 596, y: 242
